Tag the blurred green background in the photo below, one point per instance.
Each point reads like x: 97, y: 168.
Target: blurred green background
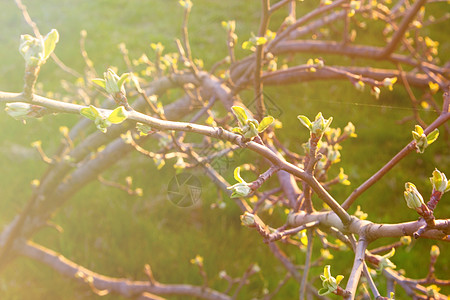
x: 114, y: 234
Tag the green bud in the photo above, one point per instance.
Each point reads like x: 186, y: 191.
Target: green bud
x: 320, y: 125
x: 256, y: 268
x: 248, y: 127
x: 333, y: 134
x: 157, y: 47
x: 112, y: 83
x: 102, y: 122
x: 258, y: 40
x: 343, y: 178
x: 350, y: 130
x: 413, y: 198
x: 359, y: 85
x: 248, y: 219
x: 326, y: 254
x: 439, y: 181
x: 198, y: 260
x: 36, y: 51
x: 289, y: 20
x: 32, y: 50
x: 422, y: 140
x: 360, y: 214
x: 389, y: 82
x: 306, y: 147
x: 272, y: 66
x: 355, y: 5
x: 19, y: 110
x: 384, y: 261
x: 248, y: 45
x: 432, y: 291
x: 240, y: 190
x: 405, y: 240
x: 376, y: 92
x: 187, y: 4
x: 159, y: 161
x: 111, y: 80
x: 180, y: 164
x: 319, y: 62
x: 251, y: 129
x: 333, y: 154
x: 229, y: 25
x: 143, y: 129
x: 329, y: 283
x: 434, y: 252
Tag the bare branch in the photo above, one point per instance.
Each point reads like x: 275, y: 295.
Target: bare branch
x: 118, y: 286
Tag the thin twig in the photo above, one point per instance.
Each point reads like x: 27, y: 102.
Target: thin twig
x: 259, y: 53
x: 308, y: 257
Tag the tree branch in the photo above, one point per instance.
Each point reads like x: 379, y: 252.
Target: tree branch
x: 120, y: 286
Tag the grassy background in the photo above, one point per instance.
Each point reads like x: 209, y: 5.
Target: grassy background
x: 114, y: 234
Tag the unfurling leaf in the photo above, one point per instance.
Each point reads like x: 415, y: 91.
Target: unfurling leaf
x: 240, y: 114
x: 440, y: 182
x: 237, y: 175
x: 414, y: 199
x: 305, y: 121
x: 329, y: 283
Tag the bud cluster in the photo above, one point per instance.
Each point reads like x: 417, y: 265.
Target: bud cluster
x: 329, y: 283
x: 249, y: 127
x: 240, y: 189
x: 101, y: 121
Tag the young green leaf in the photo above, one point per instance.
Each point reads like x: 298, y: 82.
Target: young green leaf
x: 326, y: 271
x: 122, y: 80
x: 143, y: 129
x: 237, y: 175
x: 237, y: 130
x: 432, y: 136
x: 100, y: 82
x: 265, y: 123
x: 90, y: 112
x: 305, y: 121
x: 118, y: 115
x: 261, y: 40
x: 418, y: 129
x: 247, y: 45
x: 240, y: 114
x: 50, y: 41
